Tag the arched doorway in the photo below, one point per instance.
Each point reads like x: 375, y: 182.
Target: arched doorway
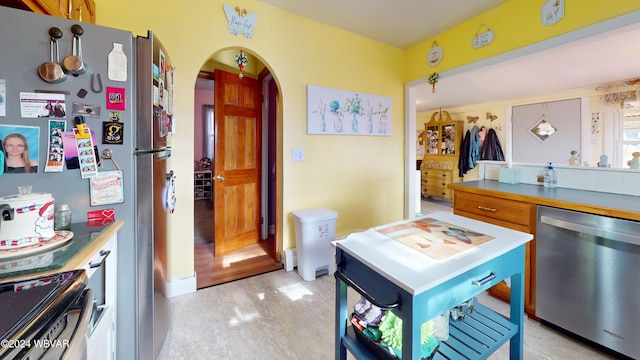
x: 241, y: 113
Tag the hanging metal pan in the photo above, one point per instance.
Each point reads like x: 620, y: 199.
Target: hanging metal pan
x: 51, y: 71
x: 74, y: 63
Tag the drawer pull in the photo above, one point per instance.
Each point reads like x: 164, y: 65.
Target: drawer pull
x: 362, y: 292
x: 104, y: 254
x: 486, y: 208
x: 484, y: 280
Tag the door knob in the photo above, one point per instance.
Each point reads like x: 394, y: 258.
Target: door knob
x: 220, y: 178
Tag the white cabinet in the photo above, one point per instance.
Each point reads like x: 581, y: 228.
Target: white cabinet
x: 100, y: 345
x: 102, y: 273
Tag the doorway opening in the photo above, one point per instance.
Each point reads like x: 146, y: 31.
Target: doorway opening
x: 223, y: 118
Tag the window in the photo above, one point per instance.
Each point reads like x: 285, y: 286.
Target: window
x: 630, y: 138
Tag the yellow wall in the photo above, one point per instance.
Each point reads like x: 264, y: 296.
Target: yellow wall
x: 516, y: 23
x: 498, y: 108
x: 361, y: 177
x: 477, y: 110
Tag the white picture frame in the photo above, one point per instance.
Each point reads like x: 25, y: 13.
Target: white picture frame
x: 341, y: 112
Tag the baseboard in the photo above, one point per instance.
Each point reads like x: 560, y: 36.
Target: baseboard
x: 290, y: 259
x: 179, y: 287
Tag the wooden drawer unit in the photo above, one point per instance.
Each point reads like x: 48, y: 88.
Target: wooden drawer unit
x: 513, y: 214
x: 496, y: 210
x: 435, y: 181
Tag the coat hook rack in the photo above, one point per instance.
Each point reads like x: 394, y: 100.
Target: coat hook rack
x: 491, y: 117
x: 472, y: 119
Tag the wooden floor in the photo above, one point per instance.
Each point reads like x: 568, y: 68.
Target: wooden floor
x: 252, y: 260
x: 249, y: 261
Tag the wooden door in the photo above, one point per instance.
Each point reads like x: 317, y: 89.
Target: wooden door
x: 237, y: 154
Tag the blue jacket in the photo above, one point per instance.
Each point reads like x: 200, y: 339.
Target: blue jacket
x: 475, y: 148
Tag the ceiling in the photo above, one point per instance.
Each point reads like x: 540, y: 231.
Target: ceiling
x: 399, y: 23
x: 590, y: 62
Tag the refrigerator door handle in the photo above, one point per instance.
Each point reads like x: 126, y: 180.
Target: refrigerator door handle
x: 166, y: 150
x: 167, y: 154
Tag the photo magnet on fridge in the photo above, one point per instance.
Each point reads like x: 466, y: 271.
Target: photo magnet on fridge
x: 112, y: 133
x: 116, y: 98
x: 91, y: 110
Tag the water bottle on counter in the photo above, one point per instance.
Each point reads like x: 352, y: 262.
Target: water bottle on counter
x: 550, y: 179
x: 62, y: 218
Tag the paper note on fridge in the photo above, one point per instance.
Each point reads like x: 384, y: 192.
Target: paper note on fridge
x: 42, y: 105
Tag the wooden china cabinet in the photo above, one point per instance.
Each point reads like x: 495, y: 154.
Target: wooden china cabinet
x: 79, y: 10
x: 442, y: 145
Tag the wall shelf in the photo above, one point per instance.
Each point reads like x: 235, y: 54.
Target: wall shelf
x: 202, y: 185
x: 481, y: 333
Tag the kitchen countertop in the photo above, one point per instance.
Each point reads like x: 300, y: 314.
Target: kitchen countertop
x: 614, y: 205
x: 415, y: 272
x: 86, y: 241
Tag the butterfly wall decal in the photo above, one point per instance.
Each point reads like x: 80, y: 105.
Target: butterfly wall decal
x: 491, y: 117
x: 472, y: 119
x: 240, y: 22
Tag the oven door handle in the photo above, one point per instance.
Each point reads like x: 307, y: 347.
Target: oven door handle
x: 590, y: 230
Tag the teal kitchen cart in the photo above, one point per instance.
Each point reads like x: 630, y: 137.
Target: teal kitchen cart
x: 381, y: 265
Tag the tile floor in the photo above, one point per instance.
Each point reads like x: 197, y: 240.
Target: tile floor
x: 278, y: 315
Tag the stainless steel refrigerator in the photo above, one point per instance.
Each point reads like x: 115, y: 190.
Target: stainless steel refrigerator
x: 151, y: 150
x: 125, y: 98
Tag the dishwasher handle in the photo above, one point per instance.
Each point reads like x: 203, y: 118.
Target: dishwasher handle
x: 590, y: 230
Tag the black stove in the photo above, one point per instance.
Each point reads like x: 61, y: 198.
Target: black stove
x: 45, y: 317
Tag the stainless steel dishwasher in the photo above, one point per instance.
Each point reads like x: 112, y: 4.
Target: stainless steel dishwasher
x: 588, y: 277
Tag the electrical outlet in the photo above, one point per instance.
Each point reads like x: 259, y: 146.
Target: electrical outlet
x: 297, y: 154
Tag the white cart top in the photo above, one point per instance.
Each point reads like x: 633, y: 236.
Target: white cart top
x: 416, y: 272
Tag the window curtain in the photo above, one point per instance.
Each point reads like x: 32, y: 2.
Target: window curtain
x: 208, y: 133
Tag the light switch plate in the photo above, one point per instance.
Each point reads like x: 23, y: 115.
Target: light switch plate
x: 297, y: 154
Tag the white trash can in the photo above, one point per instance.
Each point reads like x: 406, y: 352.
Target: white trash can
x: 315, y: 230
